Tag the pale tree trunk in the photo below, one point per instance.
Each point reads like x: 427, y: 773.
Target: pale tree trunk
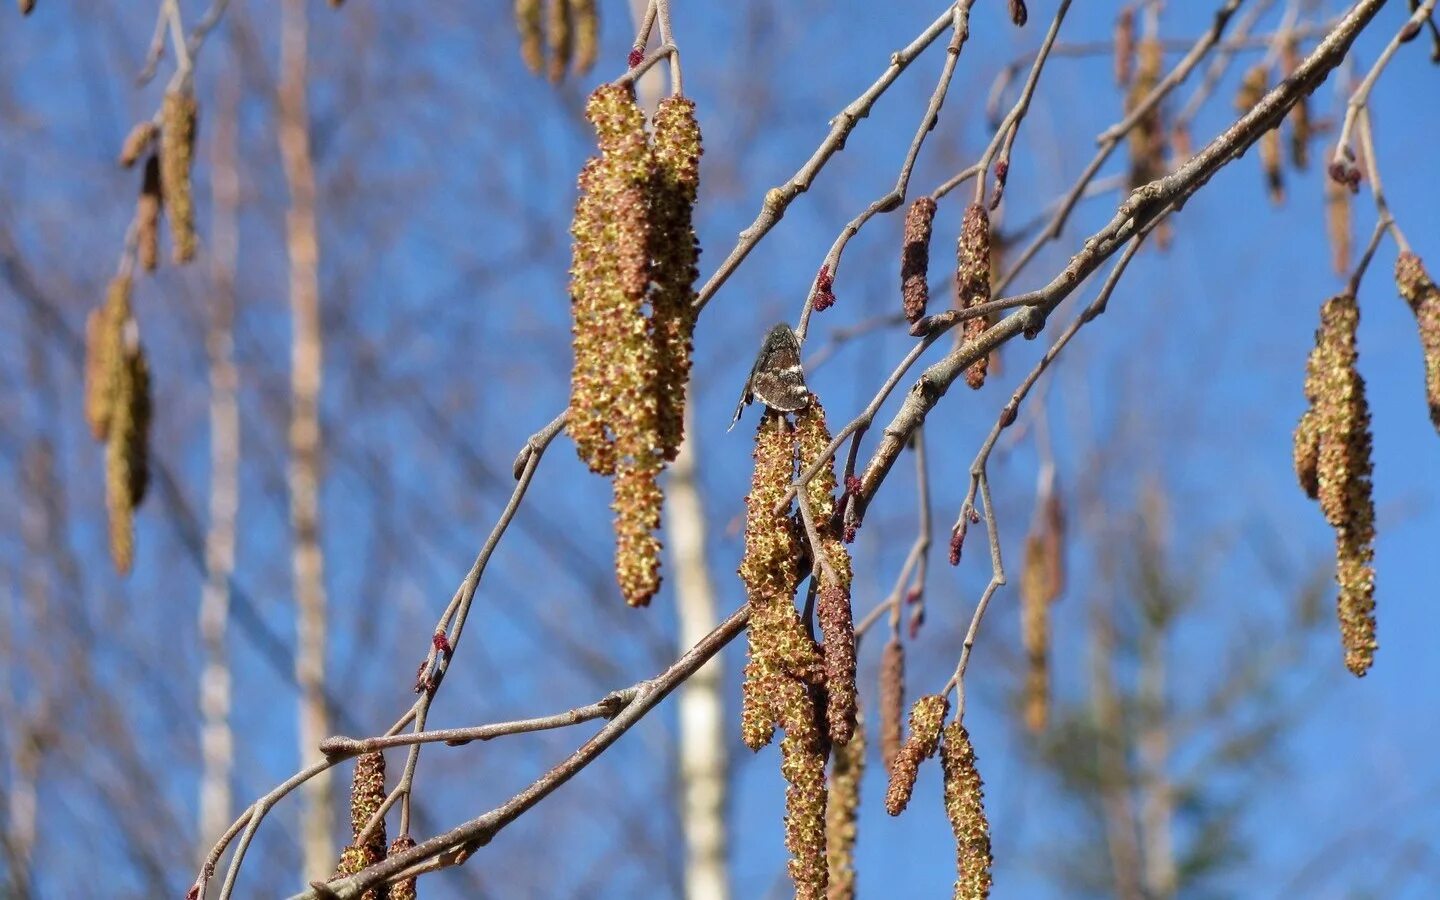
x: 217, y: 755
x: 702, y: 722
x: 1158, y: 802
x: 1114, y: 774
x: 317, y: 849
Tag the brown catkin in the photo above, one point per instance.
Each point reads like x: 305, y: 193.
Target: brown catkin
x: 404, y: 889
x: 842, y: 812
x: 637, y: 505
x: 927, y: 717
x: 1416, y: 286
x: 833, y: 604
x: 972, y: 281
x: 1252, y: 90
x: 609, y: 274
x: 177, y: 148
x: 675, y: 254
x: 915, y: 257
x: 1343, y: 469
x: 528, y: 15
x: 892, y: 700
x: 965, y: 807
x: 1147, y: 139
x: 587, y: 34
x: 1307, y: 453
x: 559, y: 38
x: 367, y: 794
x: 1301, y: 129
x: 137, y: 142
x: 1124, y: 39
x: 1019, y: 15
x: 147, y: 216
x: 26, y: 7
x: 1035, y: 602
x: 1337, y: 225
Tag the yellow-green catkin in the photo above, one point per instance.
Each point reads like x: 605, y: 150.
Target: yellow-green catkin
x: 147, y: 216
x: 675, y: 254
x: 972, y: 281
x: 1416, y: 286
x: 802, y: 763
x: 842, y: 814
x: 137, y: 142
x: 965, y: 807
x: 1147, y: 139
x: 559, y: 38
x: 127, y: 443
x: 780, y: 648
x: 177, y: 150
x: 104, y: 354
x: 404, y: 889
x: 832, y: 608
x: 892, y: 700
x: 587, y: 34
x: 1340, y: 421
x: 528, y: 15
x: 927, y: 717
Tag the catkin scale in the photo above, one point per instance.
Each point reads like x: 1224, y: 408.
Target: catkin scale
x: 972, y: 281
x: 965, y: 808
x: 177, y: 148
x: 915, y: 257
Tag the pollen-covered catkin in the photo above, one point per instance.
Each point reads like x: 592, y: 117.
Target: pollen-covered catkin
x: 965, y: 807
x: 802, y: 763
x: 972, y: 281
x: 404, y: 889
x: 842, y: 812
x: 637, y: 505
x: 528, y: 17
x: 147, y: 217
x: 833, y: 604
x: 915, y: 257
x: 1421, y: 293
x: 927, y: 717
x: 177, y: 149
x: 1343, y: 470
x: 892, y: 700
x: 675, y: 253
x: 559, y: 38
x: 367, y: 794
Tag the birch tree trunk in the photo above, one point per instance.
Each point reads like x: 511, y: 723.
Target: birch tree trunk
x: 317, y: 848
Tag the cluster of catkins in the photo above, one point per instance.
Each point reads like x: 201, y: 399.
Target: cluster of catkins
x: 1042, y: 581
x: 974, y: 265
x: 169, y: 151
x: 632, y: 294
x: 367, y: 795
x: 1332, y: 462
x: 1253, y: 88
x: 567, y: 30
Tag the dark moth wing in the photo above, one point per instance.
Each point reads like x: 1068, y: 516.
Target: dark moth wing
x: 776, y: 379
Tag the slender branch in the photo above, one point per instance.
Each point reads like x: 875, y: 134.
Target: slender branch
x: 1344, y: 152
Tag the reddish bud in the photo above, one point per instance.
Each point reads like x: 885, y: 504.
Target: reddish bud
x: 852, y: 484
x: 824, y: 293
x: 957, y: 541
x: 637, y: 56
x: 442, y: 643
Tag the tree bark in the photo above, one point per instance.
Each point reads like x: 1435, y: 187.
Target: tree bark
x: 302, y: 242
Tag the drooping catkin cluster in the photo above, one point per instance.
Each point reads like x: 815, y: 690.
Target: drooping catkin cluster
x: 1301, y: 128
x: 567, y: 31
x: 832, y: 607
x: 915, y: 257
x: 1416, y: 286
x: 1332, y: 461
x: 1042, y: 579
x: 1147, y: 138
x: 965, y: 807
x: 892, y: 700
x: 842, y: 812
x: 367, y: 794
x: 177, y: 150
x: 927, y: 717
x: 634, y: 246
x: 1252, y: 89
x: 118, y: 408
x: 972, y: 281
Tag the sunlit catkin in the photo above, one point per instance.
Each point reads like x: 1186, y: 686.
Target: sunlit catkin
x: 1147, y: 139
x: 104, y: 355
x: 147, y: 217
x: 927, y: 717
x: 1343, y: 473
x: 586, y: 19
x: 915, y: 258
x: 137, y: 142
x: 1035, y: 599
x: 404, y: 889
x: 833, y: 604
x: 972, y: 281
x: 528, y: 17
x: 1420, y: 292
x: 965, y: 807
x: 637, y: 505
x: 609, y: 274
x: 559, y: 38
x: 675, y: 253
x: 842, y: 812
x: 127, y: 444
x: 892, y: 700
x: 802, y: 763
x: 367, y: 794
x: 177, y: 149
